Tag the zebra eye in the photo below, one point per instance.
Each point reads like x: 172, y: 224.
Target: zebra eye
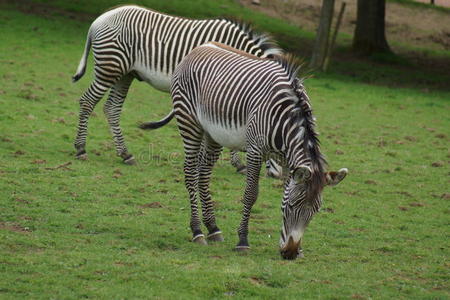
x: 302, y: 174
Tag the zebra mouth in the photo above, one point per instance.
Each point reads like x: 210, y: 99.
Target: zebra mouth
x: 290, y: 250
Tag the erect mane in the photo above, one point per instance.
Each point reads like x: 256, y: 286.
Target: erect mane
x: 290, y: 64
x: 262, y: 40
x: 311, y: 143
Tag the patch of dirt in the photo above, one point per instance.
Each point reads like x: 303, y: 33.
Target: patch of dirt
x: 14, y: 227
x: 256, y: 281
x: 152, y: 205
x: 117, y: 173
x: 19, y: 153
x: 63, y: 166
x: 437, y: 164
x: 410, y: 32
x: 404, y: 24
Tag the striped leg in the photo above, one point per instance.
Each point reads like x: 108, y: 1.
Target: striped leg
x: 251, y: 193
x: 192, y: 139
x: 209, y: 154
x: 237, y: 163
x: 112, y: 110
x: 90, y: 98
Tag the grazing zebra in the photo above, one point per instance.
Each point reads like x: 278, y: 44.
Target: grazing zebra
x: 134, y: 42
x: 224, y: 97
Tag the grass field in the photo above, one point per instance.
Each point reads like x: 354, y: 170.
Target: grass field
x: 74, y: 229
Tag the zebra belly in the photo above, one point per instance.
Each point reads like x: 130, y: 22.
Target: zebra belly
x: 158, y: 80
x: 231, y: 138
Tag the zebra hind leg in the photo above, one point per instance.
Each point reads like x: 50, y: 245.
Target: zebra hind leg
x: 237, y: 163
x: 112, y: 110
x: 208, y: 156
x: 192, y: 139
x: 88, y: 100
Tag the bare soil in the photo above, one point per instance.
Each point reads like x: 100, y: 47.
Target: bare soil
x: 405, y: 25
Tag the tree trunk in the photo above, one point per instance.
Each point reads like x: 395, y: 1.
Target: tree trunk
x: 323, y: 32
x: 370, y: 34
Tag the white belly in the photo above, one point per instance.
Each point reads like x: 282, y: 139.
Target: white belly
x: 231, y: 138
x: 156, y: 79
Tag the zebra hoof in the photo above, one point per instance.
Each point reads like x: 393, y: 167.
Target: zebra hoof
x: 82, y: 156
x: 215, y: 237
x: 200, y: 239
x: 130, y: 161
x: 242, y: 249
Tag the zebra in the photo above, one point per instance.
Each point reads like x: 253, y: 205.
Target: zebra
x: 224, y: 97
x: 131, y: 42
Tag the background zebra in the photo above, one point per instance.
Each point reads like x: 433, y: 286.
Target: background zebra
x: 134, y: 42
x: 225, y: 97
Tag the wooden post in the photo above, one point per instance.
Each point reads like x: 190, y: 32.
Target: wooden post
x: 333, y: 39
x: 323, y: 32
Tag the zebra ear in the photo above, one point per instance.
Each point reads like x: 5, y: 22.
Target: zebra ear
x: 333, y: 178
x: 302, y: 174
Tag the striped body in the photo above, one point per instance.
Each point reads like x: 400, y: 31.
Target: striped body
x: 227, y: 98
x: 131, y: 42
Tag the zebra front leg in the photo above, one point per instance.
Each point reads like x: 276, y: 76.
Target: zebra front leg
x: 112, y: 110
x: 88, y: 100
x: 237, y: 163
x: 250, y: 196
x: 208, y: 156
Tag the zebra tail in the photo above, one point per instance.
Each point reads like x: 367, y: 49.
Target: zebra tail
x: 158, y: 124
x: 82, y: 65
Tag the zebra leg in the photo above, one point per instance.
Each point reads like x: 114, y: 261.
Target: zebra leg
x: 208, y: 156
x: 237, y: 163
x: 250, y: 195
x: 112, y: 110
x: 192, y: 139
x: 88, y: 100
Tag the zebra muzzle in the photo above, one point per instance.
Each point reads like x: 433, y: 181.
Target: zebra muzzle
x: 291, y: 249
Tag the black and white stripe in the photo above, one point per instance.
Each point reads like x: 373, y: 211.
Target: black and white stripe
x: 131, y: 42
x: 226, y: 98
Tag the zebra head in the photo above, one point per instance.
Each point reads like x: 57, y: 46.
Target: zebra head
x: 302, y: 199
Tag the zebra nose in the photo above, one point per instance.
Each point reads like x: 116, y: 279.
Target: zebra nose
x: 290, y: 250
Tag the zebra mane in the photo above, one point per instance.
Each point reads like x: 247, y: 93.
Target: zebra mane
x: 291, y: 65
x: 263, y: 40
x: 302, y: 111
x: 311, y: 144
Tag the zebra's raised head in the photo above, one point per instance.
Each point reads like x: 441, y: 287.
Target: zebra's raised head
x: 302, y: 196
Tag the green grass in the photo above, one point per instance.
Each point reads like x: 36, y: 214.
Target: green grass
x: 84, y: 230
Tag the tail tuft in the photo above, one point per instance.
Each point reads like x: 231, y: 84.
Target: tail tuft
x: 150, y: 125
x: 82, y: 65
x: 77, y: 76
